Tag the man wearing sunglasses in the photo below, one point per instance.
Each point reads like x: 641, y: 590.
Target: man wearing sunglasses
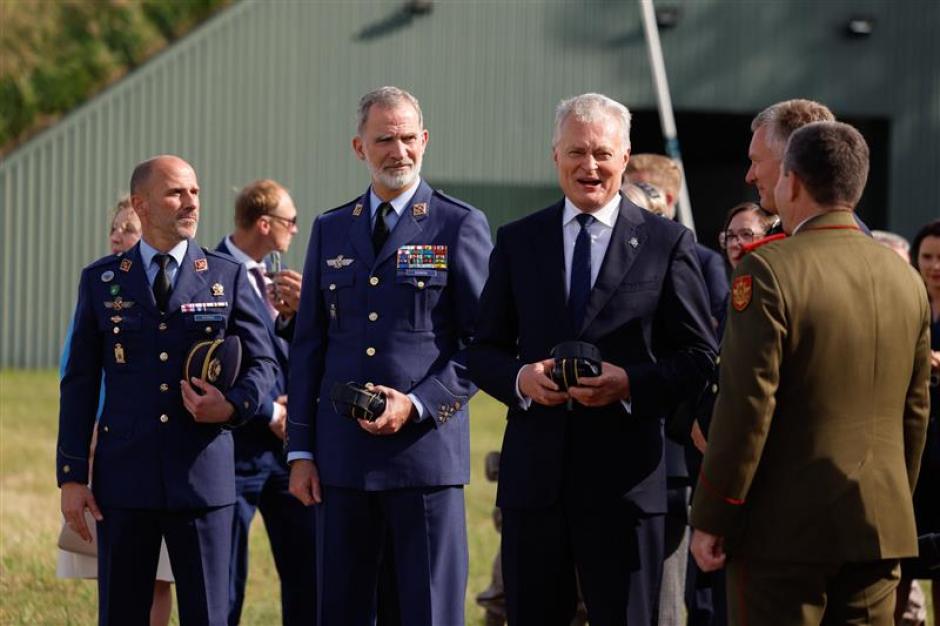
x: 265, y: 224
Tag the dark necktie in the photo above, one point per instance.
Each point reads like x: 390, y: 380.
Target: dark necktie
x: 380, y: 231
x: 161, y: 284
x: 580, y: 287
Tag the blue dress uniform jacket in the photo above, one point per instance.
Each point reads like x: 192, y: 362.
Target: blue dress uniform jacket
x: 151, y: 453
x: 363, y: 318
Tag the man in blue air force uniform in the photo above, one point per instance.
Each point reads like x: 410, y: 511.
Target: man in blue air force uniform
x: 164, y: 460
x: 391, y: 286
x: 265, y: 223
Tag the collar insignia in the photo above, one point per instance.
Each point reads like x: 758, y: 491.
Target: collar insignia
x: 201, y: 265
x: 126, y: 265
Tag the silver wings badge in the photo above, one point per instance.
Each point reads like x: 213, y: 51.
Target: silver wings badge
x: 339, y: 262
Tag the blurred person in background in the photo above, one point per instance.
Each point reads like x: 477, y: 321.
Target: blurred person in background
x: 925, y: 256
x: 124, y: 234
x: 265, y: 224
x: 745, y: 223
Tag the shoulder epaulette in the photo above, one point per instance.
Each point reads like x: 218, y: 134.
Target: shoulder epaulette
x: 754, y: 245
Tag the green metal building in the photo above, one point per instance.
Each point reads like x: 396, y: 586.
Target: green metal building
x: 269, y: 89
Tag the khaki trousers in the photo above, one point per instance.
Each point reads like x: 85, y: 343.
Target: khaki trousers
x: 781, y: 593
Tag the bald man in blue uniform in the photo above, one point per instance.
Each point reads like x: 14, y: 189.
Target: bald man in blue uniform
x: 391, y: 286
x: 164, y: 462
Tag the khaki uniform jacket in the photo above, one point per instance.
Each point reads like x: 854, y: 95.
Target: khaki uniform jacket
x: 817, y: 433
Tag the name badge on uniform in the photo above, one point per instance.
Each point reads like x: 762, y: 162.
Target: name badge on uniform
x: 422, y: 257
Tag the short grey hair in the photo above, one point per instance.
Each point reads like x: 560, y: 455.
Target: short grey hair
x: 892, y: 240
x: 387, y: 97
x: 591, y: 107
x: 783, y: 118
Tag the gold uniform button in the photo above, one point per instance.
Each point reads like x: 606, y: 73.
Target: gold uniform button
x: 164, y: 418
x: 420, y: 284
x: 116, y: 330
x: 208, y: 330
x: 370, y: 351
x: 332, y: 286
x: 163, y: 387
x: 373, y: 316
x: 373, y: 280
x: 66, y: 469
x: 714, y: 388
x: 162, y: 326
x: 164, y: 356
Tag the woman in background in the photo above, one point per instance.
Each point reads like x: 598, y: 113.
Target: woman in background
x: 125, y: 233
x: 744, y: 224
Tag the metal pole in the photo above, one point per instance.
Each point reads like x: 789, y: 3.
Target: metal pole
x: 666, y: 118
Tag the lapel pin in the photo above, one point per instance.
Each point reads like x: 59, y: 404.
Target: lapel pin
x: 633, y: 241
x: 218, y: 290
x: 357, y: 210
x: 420, y: 209
x: 201, y: 265
x: 126, y: 265
x: 115, y: 290
x: 107, y: 277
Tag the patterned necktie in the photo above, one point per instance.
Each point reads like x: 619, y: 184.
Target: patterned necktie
x: 380, y: 231
x: 258, y: 272
x: 580, y: 287
x: 161, y: 284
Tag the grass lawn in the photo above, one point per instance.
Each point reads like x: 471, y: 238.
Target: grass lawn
x: 30, y: 519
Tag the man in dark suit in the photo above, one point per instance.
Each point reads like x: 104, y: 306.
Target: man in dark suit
x: 817, y: 433
x: 164, y: 459
x: 582, y: 483
x: 265, y: 223
x: 391, y: 289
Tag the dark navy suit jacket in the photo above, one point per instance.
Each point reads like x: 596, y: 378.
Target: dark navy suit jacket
x: 255, y: 438
x: 647, y: 312
x: 151, y: 453
x: 363, y: 319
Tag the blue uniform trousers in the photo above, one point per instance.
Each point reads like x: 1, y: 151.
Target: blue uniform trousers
x: 421, y: 530
x: 291, y: 531
x: 198, y: 542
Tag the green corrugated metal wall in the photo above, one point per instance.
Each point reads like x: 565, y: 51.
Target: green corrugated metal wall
x: 269, y: 89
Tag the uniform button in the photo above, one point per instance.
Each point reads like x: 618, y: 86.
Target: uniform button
x: 245, y: 404
x: 457, y: 406
x: 373, y: 280
x: 208, y: 329
x: 370, y: 351
x: 370, y: 385
x: 373, y: 316
x: 164, y: 418
x: 66, y: 469
x: 164, y: 356
x: 714, y: 388
x: 717, y: 360
x: 164, y: 387
x: 162, y: 326
x: 332, y: 286
x: 105, y: 429
x: 420, y: 284
x: 116, y: 330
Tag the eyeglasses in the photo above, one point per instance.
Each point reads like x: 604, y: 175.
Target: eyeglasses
x: 288, y: 221
x: 745, y: 235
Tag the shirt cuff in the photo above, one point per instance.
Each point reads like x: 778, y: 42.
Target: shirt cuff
x: 296, y: 456
x: 418, y: 406
x: 277, y: 410
x: 524, y: 403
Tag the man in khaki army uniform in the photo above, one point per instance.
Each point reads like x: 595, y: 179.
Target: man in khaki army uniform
x: 818, y: 428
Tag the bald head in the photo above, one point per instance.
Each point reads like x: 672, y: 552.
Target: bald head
x: 165, y: 195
